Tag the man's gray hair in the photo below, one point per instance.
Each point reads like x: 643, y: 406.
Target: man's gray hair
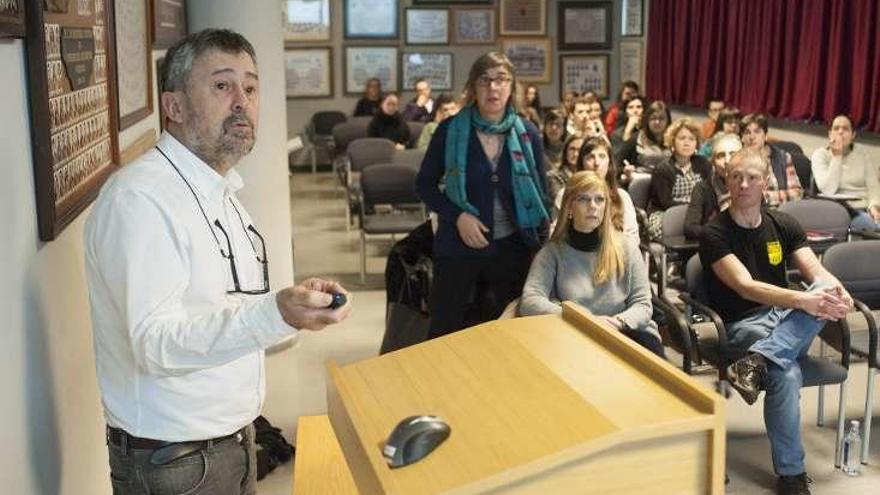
x: 180, y: 57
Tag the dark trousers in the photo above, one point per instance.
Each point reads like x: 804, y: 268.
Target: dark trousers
x: 467, y: 291
x: 226, y: 467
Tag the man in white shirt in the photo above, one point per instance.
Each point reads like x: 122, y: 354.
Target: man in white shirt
x: 179, y: 289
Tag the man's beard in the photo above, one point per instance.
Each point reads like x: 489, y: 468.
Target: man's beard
x: 228, y: 147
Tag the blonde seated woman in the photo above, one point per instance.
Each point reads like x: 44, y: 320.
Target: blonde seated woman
x: 590, y: 262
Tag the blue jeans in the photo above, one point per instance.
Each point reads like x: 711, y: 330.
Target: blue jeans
x: 227, y: 467
x: 864, y: 221
x: 782, y: 336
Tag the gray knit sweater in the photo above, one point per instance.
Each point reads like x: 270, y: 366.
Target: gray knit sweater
x: 563, y: 273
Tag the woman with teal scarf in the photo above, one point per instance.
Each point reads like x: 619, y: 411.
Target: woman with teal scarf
x: 483, y: 174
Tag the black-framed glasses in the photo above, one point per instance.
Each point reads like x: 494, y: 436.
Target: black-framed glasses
x: 261, y: 259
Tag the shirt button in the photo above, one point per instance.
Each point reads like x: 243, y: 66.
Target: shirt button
x: 494, y: 178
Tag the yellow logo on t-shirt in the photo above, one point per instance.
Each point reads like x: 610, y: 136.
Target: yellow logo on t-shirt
x: 774, y: 252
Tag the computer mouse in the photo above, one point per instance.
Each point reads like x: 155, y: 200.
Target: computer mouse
x: 338, y: 301
x: 414, y: 438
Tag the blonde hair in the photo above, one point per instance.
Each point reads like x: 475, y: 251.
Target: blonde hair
x: 676, y: 127
x: 611, y: 255
x: 749, y: 154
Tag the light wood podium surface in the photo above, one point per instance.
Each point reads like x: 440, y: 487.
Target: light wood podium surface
x: 544, y: 404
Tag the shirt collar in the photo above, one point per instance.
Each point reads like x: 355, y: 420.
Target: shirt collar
x: 204, y: 179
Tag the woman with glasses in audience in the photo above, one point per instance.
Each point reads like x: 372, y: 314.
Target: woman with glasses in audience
x: 590, y: 262
x: 674, y: 179
x: 783, y: 184
x: 388, y: 123
x: 646, y: 149
x: 492, y: 209
x: 843, y: 168
x: 711, y: 197
x: 369, y: 102
x: 558, y: 177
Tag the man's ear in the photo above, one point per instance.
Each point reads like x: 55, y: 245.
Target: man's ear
x: 173, y: 106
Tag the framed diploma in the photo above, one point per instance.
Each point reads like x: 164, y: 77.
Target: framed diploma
x: 72, y: 86
x: 11, y: 18
x: 583, y: 73
x: 306, y: 20
x: 371, y: 19
x: 474, y: 25
x: 523, y: 17
x: 135, y: 63
x: 436, y: 68
x: 584, y: 25
x: 366, y: 62
x: 309, y: 72
x: 530, y: 58
x: 631, y: 55
x: 427, y: 26
x: 632, y: 18
x: 169, y: 22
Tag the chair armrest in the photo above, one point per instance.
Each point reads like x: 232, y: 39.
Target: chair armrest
x: 864, y: 234
x: 723, y: 351
x: 675, y: 320
x: 873, y: 337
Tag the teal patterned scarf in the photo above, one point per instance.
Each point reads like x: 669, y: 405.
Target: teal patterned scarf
x: 530, y: 210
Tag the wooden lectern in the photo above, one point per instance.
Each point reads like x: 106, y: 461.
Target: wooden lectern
x: 544, y: 405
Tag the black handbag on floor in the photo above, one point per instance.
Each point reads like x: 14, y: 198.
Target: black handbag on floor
x: 272, y: 449
x: 408, y: 283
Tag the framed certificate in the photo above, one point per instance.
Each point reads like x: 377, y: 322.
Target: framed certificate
x: 474, y: 25
x: 308, y: 72
x: 366, y: 62
x: 632, y: 18
x: 523, y: 17
x: 583, y: 73
x: 371, y: 19
x: 306, y: 20
x: 169, y: 22
x: 530, y: 58
x: 11, y: 18
x: 427, y: 26
x: 135, y: 74
x: 584, y: 25
x: 631, y: 56
x: 436, y: 68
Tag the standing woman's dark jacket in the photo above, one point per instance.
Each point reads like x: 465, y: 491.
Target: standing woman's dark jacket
x: 391, y: 127
x: 480, y: 192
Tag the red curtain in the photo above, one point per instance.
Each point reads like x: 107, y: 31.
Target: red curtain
x: 794, y: 59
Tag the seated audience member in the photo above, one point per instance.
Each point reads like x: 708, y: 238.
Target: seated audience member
x: 628, y: 89
x: 483, y: 175
x: 711, y: 197
x: 532, y: 99
x: 558, y: 177
x: 567, y: 103
x: 713, y: 109
x: 420, y: 108
x: 842, y: 167
x: 727, y: 123
x: 388, y: 123
x: 646, y: 149
x: 596, y: 112
x: 554, y: 138
x: 369, y: 102
x: 589, y: 262
x: 580, y: 123
x: 745, y: 251
x: 445, y: 106
x: 675, y: 179
x: 595, y: 156
x: 634, y: 109
x: 784, y: 184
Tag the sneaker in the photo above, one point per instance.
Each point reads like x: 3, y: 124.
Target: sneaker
x: 747, y: 376
x: 794, y: 485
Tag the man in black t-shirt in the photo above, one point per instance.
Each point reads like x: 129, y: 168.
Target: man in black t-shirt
x: 744, y: 251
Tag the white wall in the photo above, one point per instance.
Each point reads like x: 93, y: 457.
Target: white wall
x: 51, y: 420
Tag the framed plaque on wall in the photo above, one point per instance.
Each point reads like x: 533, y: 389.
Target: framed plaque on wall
x: 306, y: 20
x: 11, y: 18
x: 584, y: 25
x: 365, y: 62
x: 582, y: 73
x: 523, y: 17
x: 169, y: 22
x: 135, y: 62
x: 308, y: 72
x: 530, y: 58
x: 72, y: 79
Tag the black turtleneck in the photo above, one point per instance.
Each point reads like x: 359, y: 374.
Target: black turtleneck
x: 583, y: 241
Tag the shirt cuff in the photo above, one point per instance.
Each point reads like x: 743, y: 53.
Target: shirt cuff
x: 266, y: 321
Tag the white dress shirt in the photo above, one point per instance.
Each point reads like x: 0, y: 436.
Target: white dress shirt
x: 177, y: 357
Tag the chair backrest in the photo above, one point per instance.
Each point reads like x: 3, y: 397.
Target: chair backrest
x: 855, y: 265
x: 789, y: 147
x: 673, y: 220
x: 324, y: 121
x: 364, y: 152
x: 804, y: 170
x: 410, y: 158
x: 697, y: 286
x: 388, y: 183
x: 639, y: 190
x: 819, y: 214
x: 415, y: 131
x: 363, y: 120
x: 346, y: 132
